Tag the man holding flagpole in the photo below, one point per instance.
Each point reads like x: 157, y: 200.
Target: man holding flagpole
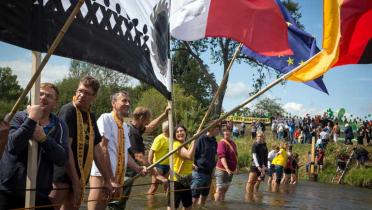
x: 115, y: 144
x: 84, y: 138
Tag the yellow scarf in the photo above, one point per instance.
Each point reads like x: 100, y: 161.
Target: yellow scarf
x: 83, y: 168
x: 120, y: 169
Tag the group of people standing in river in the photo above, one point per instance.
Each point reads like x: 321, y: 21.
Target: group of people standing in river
x: 76, y: 149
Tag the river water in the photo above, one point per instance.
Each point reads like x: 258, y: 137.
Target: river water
x: 305, y: 195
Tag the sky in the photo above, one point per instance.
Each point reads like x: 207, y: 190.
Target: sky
x: 349, y: 87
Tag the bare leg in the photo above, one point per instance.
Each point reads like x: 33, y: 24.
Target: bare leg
x: 96, y: 196
x: 60, y: 195
x: 252, y: 179
x: 154, y: 185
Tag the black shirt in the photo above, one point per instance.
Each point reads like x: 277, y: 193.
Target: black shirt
x: 205, y: 154
x: 136, y: 145
x: 68, y: 114
x: 261, y: 153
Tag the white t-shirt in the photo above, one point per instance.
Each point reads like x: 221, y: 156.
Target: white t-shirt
x: 108, y: 128
x: 270, y: 157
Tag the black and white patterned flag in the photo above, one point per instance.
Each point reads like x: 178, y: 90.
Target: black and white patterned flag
x: 130, y: 36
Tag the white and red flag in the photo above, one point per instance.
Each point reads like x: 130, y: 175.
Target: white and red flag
x: 258, y: 24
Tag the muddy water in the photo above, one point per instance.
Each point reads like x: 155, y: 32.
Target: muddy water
x: 306, y: 195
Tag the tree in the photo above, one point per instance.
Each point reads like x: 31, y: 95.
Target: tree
x: 187, y: 110
x: 269, y: 108
x: 221, y: 51
x: 10, y: 91
x: 186, y: 73
x: 110, y: 82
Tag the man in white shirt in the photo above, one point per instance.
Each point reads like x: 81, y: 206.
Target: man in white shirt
x: 115, y: 144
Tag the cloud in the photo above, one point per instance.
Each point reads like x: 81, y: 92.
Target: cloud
x: 22, y: 68
x: 365, y: 79
x: 237, y: 90
x: 300, y: 110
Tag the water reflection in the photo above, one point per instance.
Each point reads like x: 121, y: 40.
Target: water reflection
x: 306, y: 195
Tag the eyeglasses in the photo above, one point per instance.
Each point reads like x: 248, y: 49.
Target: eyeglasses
x: 84, y: 92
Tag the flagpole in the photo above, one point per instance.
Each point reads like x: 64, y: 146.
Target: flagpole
x: 218, y: 92
x: 170, y: 120
x: 30, y: 195
x: 232, y: 111
x: 45, y: 60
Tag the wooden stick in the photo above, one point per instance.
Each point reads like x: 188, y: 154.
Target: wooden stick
x: 32, y: 145
x: 250, y: 99
x: 51, y: 50
x: 218, y: 92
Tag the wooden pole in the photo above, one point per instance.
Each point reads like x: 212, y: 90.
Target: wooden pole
x: 170, y: 123
x: 216, y: 95
x: 45, y: 60
x: 32, y: 145
x: 235, y: 109
x: 313, y: 175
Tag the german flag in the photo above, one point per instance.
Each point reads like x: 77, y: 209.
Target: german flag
x: 347, y: 38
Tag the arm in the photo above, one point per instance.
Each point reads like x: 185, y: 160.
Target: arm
x: 70, y: 166
x: 151, y: 156
x: 19, y: 134
x: 133, y: 165
x: 4, y: 131
x: 224, y: 163
x: 153, y: 124
x: 55, y: 146
x: 187, y: 153
x: 104, y: 147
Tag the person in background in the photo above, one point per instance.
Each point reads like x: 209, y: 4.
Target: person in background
x: 139, y: 125
x: 259, y: 164
x: 159, y: 148
x: 204, y: 164
x: 182, y: 167
x: 226, y: 164
x: 271, y: 167
x: 280, y: 161
x: 349, y: 135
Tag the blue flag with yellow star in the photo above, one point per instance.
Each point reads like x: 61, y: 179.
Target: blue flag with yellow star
x: 303, y: 46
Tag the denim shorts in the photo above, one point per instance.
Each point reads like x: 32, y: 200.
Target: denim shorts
x: 163, y: 168
x: 223, y: 179
x: 279, y: 173
x: 200, y: 184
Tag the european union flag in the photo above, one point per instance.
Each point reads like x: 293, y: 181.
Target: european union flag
x: 303, y: 46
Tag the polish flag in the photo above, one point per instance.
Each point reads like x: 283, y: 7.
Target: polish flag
x: 258, y: 24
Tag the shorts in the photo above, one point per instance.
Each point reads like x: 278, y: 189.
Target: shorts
x: 293, y: 171
x: 271, y: 170
x: 200, y: 184
x: 164, y: 169
x: 184, y: 194
x: 287, y: 171
x: 279, y: 173
x: 223, y: 179
x: 60, y: 175
x: 254, y: 169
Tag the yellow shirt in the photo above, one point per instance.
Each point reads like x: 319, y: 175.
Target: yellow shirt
x: 280, y: 159
x: 160, y: 148
x: 186, y: 168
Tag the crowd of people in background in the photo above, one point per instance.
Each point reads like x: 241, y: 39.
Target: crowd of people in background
x: 302, y: 130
